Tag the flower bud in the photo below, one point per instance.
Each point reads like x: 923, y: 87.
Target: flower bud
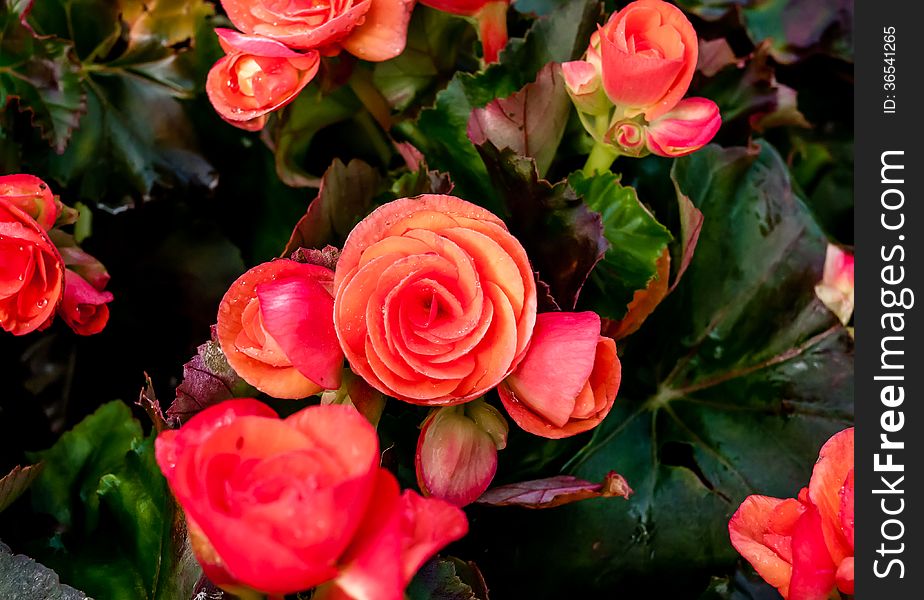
x: 836, y: 286
x: 585, y: 87
x: 457, y: 451
x: 629, y: 136
x: 688, y: 127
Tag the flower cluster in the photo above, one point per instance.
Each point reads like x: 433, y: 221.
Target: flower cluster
x: 279, y: 47
x: 433, y: 302
x: 629, y: 88
x: 804, y: 546
x: 42, y: 270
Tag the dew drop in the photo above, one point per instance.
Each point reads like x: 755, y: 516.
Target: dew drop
x: 44, y: 302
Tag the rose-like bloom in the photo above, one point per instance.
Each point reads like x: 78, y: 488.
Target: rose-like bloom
x: 648, y: 52
x: 275, y: 327
x: 83, y: 307
x: 257, y: 77
x: 568, y: 380
x: 686, y: 128
x: 32, y: 196
x: 283, y: 505
x: 31, y: 272
x: 804, y: 547
x: 373, y: 30
x: 457, y: 451
x: 435, y: 300
x: 836, y: 287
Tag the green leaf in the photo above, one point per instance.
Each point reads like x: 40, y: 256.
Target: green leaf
x: 123, y: 534
x: 311, y: 112
x: 17, y: 481
x: 24, y: 579
x: 636, y: 239
x: 40, y: 74
x: 441, y: 131
x: 75, y: 464
x: 742, y: 378
x: 436, y: 42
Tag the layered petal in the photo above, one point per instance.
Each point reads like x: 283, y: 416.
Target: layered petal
x: 568, y: 380
x: 275, y: 327
x: 275, y: 505
x: 813, y: 570
x: 435, y: 300
x: 648, y: 52
x: 761, y: 531
x: 31, y: 273
x: 83, y: 307
x: 831, y: 494
x: 32, y: 196
x: 258, y: 76
x: 383, y: 33
x: 689, y: 126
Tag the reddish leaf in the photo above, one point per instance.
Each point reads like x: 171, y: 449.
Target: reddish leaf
x: 691, y: 223
x: 714, y: 55
x: 326, y: 257
x: 207, y: 379
x: 563, y: 237
x: 530, y: 122
x: 346, y: 196
x: 556, y: 491
x: 17, y: 481
x: 147, y: 400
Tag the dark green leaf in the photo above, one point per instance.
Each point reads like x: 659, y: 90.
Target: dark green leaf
x: 75, y: 464
x: 41, y: 75
x: 743, y: 377
x: 563, y: 238
x: 124, y: 536
x: 136, y: 135
x: 447, y: 579
x: 636, y: 239
x: 435, y: 42
x: 21, y: 578
x: 306, y: 116
x: 116, y: 149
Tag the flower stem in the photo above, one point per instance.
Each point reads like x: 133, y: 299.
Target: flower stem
x: 365, y: 89
x: 600, y: 159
